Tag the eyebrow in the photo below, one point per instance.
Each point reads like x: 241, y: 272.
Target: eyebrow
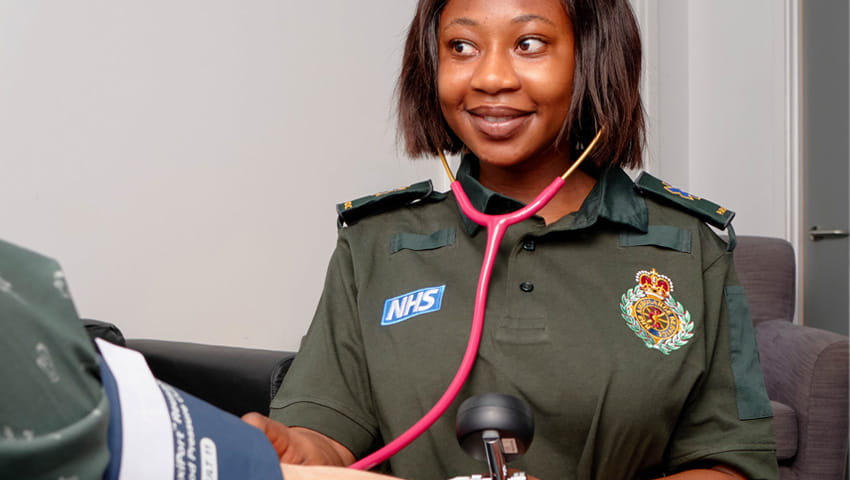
x: 531, y: 18
x: 520, y: 19
x: 462, y: 21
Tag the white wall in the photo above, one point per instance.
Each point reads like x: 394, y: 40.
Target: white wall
x: 183, y: 159
x: 720, y: 79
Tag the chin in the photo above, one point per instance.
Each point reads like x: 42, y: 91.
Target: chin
x: 510, y: 159
x: 501, y: 156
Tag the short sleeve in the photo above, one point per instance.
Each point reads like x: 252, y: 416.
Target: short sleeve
x: 54, y: 414
x: 327, y: 388
x: 727, y: 419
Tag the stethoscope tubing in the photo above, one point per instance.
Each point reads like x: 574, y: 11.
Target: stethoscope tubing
x: 496, y: 226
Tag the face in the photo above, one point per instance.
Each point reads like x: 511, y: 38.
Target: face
x: 505, y: 78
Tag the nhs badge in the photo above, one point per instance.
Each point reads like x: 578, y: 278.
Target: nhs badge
x: 409, y: 305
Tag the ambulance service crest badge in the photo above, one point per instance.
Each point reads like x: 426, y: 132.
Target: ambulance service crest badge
x: 654, y: 315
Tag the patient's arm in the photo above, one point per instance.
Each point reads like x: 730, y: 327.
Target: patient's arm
x: 302, y: 472
x: 301, y: 446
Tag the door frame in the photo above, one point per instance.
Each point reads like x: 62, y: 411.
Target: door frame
x: 794, y: 229
x: 649, y: 17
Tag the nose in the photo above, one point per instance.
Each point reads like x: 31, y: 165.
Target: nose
x: 495, y: 73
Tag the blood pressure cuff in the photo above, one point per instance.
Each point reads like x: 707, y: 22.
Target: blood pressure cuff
x: 158, y: 431
x: 67, y: 412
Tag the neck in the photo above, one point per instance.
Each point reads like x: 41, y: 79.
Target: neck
x: 524, y: 184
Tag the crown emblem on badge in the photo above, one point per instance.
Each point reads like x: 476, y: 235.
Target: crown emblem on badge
x: 654, y: 316
x: 653, y: 283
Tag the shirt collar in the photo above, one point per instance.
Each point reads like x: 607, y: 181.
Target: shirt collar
x: 613, y: 198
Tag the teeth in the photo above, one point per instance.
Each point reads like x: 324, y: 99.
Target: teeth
x: 496, y: 119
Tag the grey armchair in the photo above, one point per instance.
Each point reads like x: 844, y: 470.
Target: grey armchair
x: 805, y: 369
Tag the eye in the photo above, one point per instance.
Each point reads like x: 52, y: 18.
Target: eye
x: 462, y: 48
x: 531, y: 45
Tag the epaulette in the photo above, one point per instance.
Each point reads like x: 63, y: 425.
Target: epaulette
x: 707, y: 211
x: 353, y: 211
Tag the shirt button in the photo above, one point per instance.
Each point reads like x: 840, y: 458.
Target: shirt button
x: 526, y: 287
x: 529, y: 245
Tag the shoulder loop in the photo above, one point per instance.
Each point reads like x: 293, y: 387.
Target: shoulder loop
x: 353, y: 211
x: 733, y: 239
x: 705, y: 210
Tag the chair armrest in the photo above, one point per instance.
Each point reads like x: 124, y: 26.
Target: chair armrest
x: 104, y: 330
x: 238, y: 380
x: 807, y: 369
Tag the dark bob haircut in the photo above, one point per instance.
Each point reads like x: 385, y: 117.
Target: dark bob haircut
x: 606, y: 84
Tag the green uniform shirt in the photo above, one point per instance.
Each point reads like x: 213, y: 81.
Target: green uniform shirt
x: 624, y: 381
x: 53, y: 412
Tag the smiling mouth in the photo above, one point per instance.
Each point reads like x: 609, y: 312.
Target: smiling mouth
x: 498, y: 123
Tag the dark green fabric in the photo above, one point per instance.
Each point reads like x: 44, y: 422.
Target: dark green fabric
x: 351, y: 212
x: 749, y: 382
x: 623, y: 205
x: 732, y: 242
x: 597, y: 390
x: 706, y: 210
x: 663, y: 236
x: 53, y: 413
x: 75, y: 450
x: 415, y: 241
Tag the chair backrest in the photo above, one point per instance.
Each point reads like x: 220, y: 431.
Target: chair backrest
x: 766, y: 269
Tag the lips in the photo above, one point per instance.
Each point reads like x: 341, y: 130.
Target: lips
x: 498, y: 122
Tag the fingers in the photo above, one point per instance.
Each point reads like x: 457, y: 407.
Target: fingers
x: 256, y: 419
x: 300, y: 446
x: 277, y: 433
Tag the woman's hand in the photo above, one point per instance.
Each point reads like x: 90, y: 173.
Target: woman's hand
x: 300, y: 446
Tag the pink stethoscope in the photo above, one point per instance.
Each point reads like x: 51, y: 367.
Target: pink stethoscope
x: 496, y: 226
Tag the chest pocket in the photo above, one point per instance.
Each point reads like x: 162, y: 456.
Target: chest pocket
x: 418, y: 242
x: 664, y: 236
x: 522, y: 331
